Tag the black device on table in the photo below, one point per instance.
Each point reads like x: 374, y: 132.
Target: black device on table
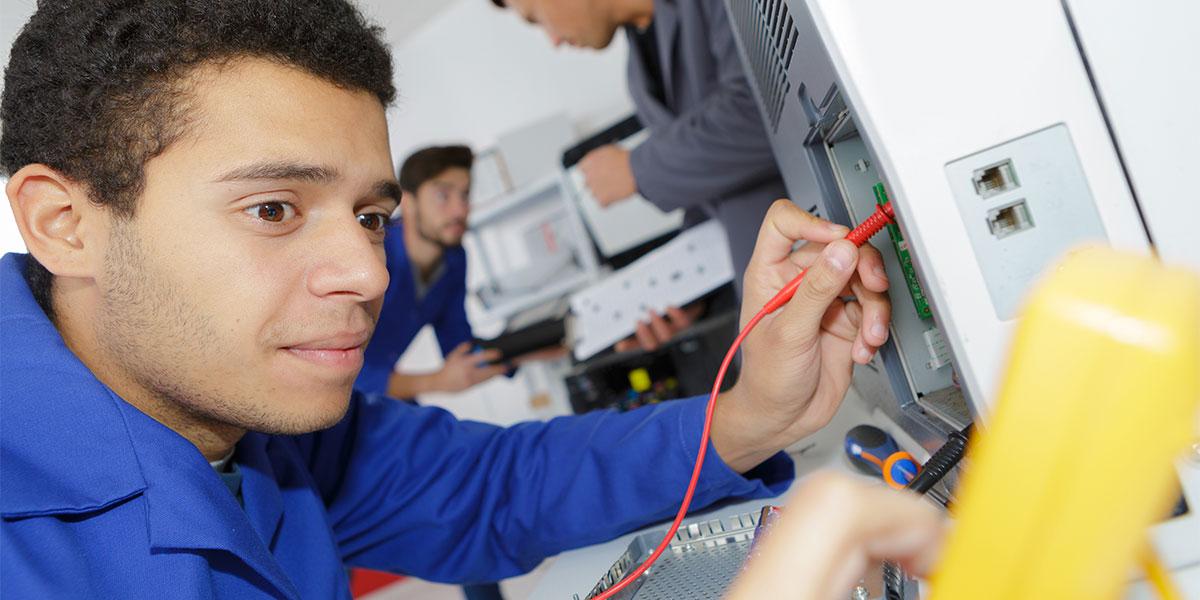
x: 540, y: 335
x: 682, y: 368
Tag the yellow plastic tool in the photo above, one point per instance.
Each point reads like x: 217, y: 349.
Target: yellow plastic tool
x: 639, y: 380
x: 1101, y: 396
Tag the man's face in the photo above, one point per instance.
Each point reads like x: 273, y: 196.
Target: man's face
x: 441, y: 206
x: 579, y: 23
x: 251, y: 275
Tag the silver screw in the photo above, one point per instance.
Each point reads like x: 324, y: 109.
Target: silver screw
x: 860, y: 593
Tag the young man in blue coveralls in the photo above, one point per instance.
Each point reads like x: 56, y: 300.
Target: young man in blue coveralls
x: 204, y: 189
x: 428, y: 270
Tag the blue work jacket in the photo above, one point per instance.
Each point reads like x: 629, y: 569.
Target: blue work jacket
x: 442, y: 306
x: 98, y: 500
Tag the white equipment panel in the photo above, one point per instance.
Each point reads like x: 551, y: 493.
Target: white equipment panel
x: 963, y: 108
x: 694, y: 263
x: 1005, y: 134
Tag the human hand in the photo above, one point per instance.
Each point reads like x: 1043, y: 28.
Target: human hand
x: 608, y: 174
x: 542, y: 354
x: 834, y: 528
x: 464, y: 369
x: 797, y: 363
x: 658, y: 329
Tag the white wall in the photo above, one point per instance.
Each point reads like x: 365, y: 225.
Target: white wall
x: 13, y: 14
x: 474, y: 72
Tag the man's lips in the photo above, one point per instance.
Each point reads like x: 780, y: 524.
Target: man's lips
x: 341, y: 351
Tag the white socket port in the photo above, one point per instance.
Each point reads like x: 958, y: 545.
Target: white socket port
x: 1009, y: 219
x: 995, y: 179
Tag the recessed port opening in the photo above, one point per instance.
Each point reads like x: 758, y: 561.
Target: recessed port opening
x: 1009, y: 219
x: 995, y: 179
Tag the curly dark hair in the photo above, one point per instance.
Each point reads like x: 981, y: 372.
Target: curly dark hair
x: 94, y: 89
x: 427, y: 163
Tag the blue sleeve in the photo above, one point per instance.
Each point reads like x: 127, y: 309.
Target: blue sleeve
x: 376, y: 371
x: 391, y: 335
x: 413, y: 490
x: 451, y: 326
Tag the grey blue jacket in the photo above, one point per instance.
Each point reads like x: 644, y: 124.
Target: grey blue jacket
x: 707, y: 149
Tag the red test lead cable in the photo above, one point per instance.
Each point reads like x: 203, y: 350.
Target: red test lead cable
x: 859, y: 235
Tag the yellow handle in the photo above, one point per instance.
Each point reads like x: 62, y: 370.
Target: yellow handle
x: 1101, y: 396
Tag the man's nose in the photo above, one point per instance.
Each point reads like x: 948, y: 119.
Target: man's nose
x: 460, y: 207
x: 350, y: 264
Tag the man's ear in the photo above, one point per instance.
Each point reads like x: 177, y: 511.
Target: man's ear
x: 62, y: 229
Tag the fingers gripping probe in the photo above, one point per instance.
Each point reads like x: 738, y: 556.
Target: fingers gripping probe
x: 859, y: 235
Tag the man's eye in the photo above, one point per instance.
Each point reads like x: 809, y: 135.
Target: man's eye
x: 273, y: 212
x: 373, y: 221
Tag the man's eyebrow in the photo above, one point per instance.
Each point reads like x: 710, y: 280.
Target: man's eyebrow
x: 387, y: 189
x: 281, y: 170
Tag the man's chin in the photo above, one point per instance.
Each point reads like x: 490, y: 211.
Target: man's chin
x: 316, y: 416
x: 603, y: 41
x: 452, y: 236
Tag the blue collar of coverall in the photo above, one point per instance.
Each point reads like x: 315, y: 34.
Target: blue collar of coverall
x: 454, y: 260
x: 73, y: 447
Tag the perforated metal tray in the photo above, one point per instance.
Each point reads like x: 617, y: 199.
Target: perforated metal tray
x: 700, y: 563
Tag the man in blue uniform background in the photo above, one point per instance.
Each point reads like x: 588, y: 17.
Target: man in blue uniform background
x: 428, y: 270
x: 204, y: 190
x: 428, y: 286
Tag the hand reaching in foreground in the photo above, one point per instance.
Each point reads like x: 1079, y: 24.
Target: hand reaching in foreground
x: 834, y: 528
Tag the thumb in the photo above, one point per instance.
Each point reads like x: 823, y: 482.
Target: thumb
x: 459, y: 350
x: 822, y: 284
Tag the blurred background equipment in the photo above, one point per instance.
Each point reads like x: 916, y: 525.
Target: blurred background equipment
x: 625, y: 225
x: 689, y: 266
x: 683, y: 368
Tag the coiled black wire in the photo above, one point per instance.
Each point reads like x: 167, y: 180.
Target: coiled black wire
x: 932, y: 472
x: 893, y: 581
x: 941, y: 462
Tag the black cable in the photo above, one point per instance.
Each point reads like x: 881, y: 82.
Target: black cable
x: 941, y: 462
x: 893, y: 581
x: 932, y: 472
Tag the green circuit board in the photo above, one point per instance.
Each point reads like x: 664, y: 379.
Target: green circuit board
x: 910, y: 274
